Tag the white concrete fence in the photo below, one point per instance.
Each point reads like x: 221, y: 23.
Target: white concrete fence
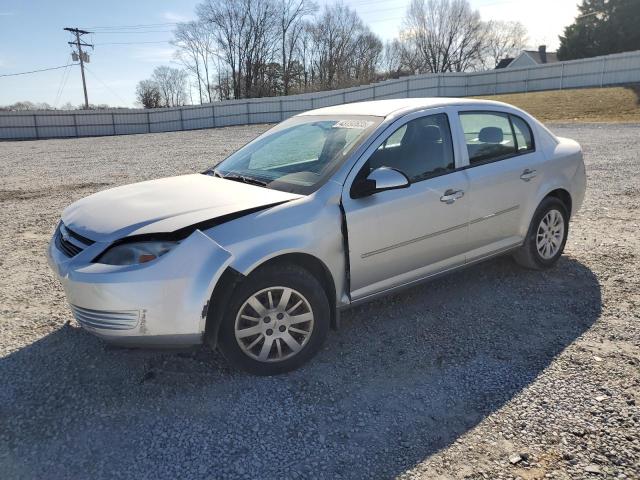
x: 591, y: 72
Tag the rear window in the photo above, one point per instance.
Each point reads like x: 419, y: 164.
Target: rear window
x: 524, y: 138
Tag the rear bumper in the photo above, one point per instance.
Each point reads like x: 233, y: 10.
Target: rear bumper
x: 161, y: 303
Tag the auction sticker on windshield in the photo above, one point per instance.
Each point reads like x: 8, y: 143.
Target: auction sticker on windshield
x: 357, y: 124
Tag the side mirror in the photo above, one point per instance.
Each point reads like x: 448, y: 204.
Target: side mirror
x: 380, y: 180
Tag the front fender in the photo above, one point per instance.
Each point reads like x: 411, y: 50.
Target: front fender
x: 312, y: 227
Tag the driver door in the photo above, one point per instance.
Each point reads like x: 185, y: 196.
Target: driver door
x: 400, y: 236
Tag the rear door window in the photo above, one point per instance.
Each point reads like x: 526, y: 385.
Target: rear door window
x: 524, y: 137
x: 488, y: 136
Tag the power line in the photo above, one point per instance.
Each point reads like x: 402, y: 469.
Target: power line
x: 139, y: 26
x: 106, y: 86
x: 388, y: 19
x: 130, y: 43
x: 113, y: 32
x: 63, y: 80
x: 62, y: 87
x: 36, y: 71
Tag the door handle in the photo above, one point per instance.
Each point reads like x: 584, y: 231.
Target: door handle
x: 451, y: 196
x: 528, y: 175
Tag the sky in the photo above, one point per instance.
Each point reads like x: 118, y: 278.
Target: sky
x: 32, y: 37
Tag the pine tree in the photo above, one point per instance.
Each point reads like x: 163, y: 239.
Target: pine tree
x: 601, y: 28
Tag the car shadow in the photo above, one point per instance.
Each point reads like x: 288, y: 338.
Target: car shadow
x: 404, y: 377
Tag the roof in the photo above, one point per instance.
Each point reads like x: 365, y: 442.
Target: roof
x: 504, y: 63
x: 552, y: 57
x: 384, y: 108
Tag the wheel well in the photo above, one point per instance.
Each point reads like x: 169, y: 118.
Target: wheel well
x: 562, y: 195
x: 318, y: 269
x: 214, y: 309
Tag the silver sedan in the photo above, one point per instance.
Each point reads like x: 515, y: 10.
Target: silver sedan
x: 328, y: 209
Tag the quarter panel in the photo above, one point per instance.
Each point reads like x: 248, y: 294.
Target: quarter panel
x: 564, y: 169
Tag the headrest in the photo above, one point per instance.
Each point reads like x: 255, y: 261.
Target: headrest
x: 491, y: 135
x: 431, y: 133
x: 410, y: 134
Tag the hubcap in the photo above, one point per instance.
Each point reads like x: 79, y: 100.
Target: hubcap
x: 274, y: 324
x: 550, y: 234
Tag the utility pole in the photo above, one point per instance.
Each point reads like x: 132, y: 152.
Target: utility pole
x: 78, y: 44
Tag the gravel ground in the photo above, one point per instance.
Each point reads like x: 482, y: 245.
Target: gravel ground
x: 493, y: 372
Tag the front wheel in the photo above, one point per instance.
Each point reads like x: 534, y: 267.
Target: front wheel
x: 546, y: 237
x: 277, y: 319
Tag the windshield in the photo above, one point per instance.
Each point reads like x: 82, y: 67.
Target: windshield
x: 299, y: 154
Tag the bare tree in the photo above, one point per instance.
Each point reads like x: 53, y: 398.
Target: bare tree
x: 343, y: 49
x: 27, y: 105
x: 172, y: 84
x: 392, y: 58
x: 245, y: 34
x: 228, y: 24
x: 304, y: 51
x: 195, y: 44
x: 250, y: 48
x: 224, y: 86
x: 401, y: 57
x: 502, y: 40
x: 447, y: 34
x: 260, y: 41
x: 332, y: 36
x: 291, y: 28
x: 148, y: 94
x: 367, y: 54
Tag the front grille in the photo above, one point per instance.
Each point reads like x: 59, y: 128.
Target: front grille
x: 106, y: 319
x: 68, y: 248
x: 69, y: 242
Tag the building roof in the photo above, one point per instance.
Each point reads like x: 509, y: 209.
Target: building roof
x: 552, y: 57
x: 504, y: 63
x: 533, y: 55
x: 384, y: 108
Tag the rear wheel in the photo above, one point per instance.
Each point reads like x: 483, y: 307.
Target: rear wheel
x: 277, y: 319
x: 546, y: 237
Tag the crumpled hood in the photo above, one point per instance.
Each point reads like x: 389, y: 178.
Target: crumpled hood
x: 164, y: 205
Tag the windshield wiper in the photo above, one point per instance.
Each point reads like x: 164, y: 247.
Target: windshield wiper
x: 244, y: 179
x: 212, y: 173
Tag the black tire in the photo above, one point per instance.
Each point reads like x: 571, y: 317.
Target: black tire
x: 528, y: 255
x: 284, y: 275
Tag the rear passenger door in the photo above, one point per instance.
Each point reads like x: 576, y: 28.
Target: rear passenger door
x: 503, y: 172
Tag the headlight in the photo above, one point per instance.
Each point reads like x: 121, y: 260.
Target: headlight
x: 135, y: 253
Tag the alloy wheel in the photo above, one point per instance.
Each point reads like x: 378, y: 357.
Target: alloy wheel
x: 274, y: 324
x: 550, y: 234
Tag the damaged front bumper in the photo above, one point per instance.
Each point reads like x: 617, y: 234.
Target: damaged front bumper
x: 159, y: 303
